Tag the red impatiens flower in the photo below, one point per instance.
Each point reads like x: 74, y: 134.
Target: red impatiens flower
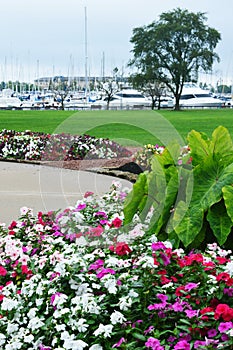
x: 121, y: 248
x: 3, y: 271
x: 117, y: 222
x: 224, y: 311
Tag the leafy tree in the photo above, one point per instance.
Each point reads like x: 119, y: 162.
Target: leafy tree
x: 174, y: 48
x: 150, y: 87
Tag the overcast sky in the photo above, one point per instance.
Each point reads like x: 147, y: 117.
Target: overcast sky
x: 47, y: 37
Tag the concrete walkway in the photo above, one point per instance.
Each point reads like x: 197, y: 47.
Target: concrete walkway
x: 44, y: 188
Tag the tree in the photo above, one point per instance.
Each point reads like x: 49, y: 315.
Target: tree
x: 174, y: 48
x: 109, y: 88
x: 150, y: 87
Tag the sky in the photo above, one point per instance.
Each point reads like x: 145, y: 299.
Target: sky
x: 69, y: 37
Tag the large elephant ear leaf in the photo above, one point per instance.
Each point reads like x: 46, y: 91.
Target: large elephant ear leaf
x: 199, y: 145
x: 228, y: 200
x: 220, y: 222
x: 221, y: 146
x: 136, y: 198
x: 187, y: 222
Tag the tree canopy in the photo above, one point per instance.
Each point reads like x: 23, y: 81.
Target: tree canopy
x: 174, y: 48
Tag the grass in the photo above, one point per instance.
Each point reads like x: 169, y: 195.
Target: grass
x: 124, y: 127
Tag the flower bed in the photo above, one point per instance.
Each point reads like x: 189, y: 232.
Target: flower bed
x: 78, y: 279
x: 39, y: 146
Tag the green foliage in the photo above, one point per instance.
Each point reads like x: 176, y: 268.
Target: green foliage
x: 191, y: 204
x: 171, y: 49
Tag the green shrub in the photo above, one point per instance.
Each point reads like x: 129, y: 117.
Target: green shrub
x: 189, y: 202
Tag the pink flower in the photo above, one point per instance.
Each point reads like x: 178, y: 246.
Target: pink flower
x: 182, y: 345
x: 154, y: 344
x: 122, y: 340
x: 104, y: 272
x: 225, y: 326
x: 158, y: 246
x: 190, y: 286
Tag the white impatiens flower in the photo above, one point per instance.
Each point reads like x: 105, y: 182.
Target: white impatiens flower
x: 96, y: 347
x: 29, y: 338
x: 125, y: 303
x: 8, y: 304
x: 117, y: 317
x: 74, y: 344
x: 12, y: 328
x: 106, y: 331
x: 82, y: 325
x: 2, y: 339
x: 229, y: 268
x: 35, y: 323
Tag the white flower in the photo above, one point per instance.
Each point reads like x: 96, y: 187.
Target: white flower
x: 35, y: 323
x: 117, y: 317
x: 229, y: 268
x: 110, y: 284
x: 125, y: 303
x: 12, y: 327
x: 2, y: 339
x: 8, y: 304
x: 146, y: 261
x: 81, y: 325
x: 74, y: 344
x: 105, y: 330
x: 96, y: 347
x: 29, y: 338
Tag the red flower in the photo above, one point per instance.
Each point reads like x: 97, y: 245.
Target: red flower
x: 224, y: 311
x: 223, y: 276
x: 12, y: 225
x: 3, y: 271
x: 221, y: 260
x: 117, y: 222
x: 121, y: 248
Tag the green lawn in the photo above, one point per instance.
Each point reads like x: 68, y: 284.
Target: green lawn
x: 125, y: 127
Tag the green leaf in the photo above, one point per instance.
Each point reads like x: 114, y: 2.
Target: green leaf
x: 187, y: 222
x: 209, y: 179
x: 199, y: 145
x: 139, y: 336
x: 169, y: 194
x: 228, y: 199
x: 221, y: 146
x: 220, y: 222
x: 135, y: 198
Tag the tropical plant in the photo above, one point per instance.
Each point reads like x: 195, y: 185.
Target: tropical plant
x: 189, y: 199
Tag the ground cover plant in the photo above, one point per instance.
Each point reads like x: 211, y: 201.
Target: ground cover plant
x: 40, y: 146
x: 78, y: 280
x: 95, y: 276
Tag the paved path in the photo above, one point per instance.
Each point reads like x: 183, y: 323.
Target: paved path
x: 44, y: 188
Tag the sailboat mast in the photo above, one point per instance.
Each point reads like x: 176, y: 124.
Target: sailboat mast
x: 86, y: 56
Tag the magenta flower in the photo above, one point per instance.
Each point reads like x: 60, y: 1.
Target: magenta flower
x: 225, y: 326
x: 182, y: 345
x: 212, y: 333
x: 154, y: 344
x: 190, y: 286
x: 104, y: 272
x: 158, y: 246
x: 191, y: 313
x: 96, y: 265
x: 177, y: 306
x: 81, y: 206
x: 162, y: 297
x: 117, y: 345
